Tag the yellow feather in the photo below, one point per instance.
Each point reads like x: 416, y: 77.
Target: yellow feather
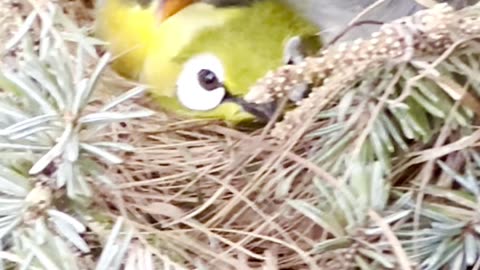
x: 128, y: 28
x: 134, y: 35
x: 173, y: 35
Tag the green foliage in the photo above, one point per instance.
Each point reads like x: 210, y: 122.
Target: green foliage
x: 51, y: 162
x: 401, y: 142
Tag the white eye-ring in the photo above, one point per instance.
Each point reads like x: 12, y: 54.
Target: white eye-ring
x: 200, y: 83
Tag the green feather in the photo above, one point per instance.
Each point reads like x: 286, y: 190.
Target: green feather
x: 250, y: 44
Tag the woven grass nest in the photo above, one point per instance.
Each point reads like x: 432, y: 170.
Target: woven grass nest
x: 376, y: 169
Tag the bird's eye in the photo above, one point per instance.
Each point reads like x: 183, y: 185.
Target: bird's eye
x: 200, y: 83
x: 208, y: 80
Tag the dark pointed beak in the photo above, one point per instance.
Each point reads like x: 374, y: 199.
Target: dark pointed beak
x: 263, y: 112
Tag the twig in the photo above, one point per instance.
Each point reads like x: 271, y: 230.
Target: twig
x: 394, y: 242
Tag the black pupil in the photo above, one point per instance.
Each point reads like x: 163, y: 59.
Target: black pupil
x: 208, y: 80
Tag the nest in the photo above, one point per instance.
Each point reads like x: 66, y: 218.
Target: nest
x: 202, y: 194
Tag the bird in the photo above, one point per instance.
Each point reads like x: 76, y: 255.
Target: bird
x: 199, y: 58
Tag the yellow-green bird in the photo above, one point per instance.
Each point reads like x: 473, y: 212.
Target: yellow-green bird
x: 200, y: 58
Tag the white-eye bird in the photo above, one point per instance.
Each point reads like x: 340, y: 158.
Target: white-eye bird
x: 200, y: 58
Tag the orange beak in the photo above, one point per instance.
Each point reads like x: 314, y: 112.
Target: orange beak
x: 170, y: 7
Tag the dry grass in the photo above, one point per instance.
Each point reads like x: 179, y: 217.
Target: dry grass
x: 206, y: 188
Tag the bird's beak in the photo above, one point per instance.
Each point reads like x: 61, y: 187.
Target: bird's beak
x: 263, y: 112
x: 169, y: 8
